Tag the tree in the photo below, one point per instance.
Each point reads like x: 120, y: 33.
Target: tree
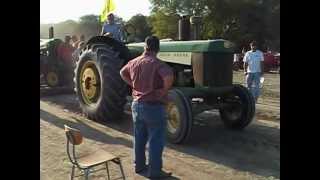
x: 64, y: 28
x: 237, y: 20
x: 141, y: 26
x: 181, y: 7
x: 164, y: 25
x: 88, y: 25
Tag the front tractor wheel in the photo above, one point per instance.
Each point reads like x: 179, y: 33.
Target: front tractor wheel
x: 179, y: 117
x: 239, y: 109
x: 98, y: 85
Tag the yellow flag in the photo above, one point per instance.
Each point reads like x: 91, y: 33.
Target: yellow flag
x: 108, y: 7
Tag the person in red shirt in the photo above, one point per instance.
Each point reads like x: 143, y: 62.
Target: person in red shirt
x: 65, y: 51
x: 150, y: 80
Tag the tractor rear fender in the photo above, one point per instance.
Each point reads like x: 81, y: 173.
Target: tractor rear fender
x: 116, y: 45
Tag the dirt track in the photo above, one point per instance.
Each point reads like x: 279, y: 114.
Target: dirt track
x: 212, y: 153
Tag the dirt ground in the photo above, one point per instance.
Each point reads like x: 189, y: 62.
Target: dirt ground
x: 213, y: 152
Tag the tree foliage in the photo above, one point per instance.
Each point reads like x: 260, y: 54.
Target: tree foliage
x: 142, y: 28
x: 88, y: 25
x: 164, y: 25
x: 239, y: 21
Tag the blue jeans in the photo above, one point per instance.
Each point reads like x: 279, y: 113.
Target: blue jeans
x: 149, y: 123
x: 253, y: 84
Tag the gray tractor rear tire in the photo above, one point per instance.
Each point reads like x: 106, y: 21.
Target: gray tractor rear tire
x: 111, y: 90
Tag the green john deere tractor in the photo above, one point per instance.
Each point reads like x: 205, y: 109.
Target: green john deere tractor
x: 52, y: 70
x: 203, y: 81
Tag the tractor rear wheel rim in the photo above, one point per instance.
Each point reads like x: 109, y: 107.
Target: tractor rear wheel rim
x: 90, y: 83
x: 174, y: 119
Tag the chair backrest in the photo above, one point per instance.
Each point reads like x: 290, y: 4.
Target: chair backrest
x: 74, y: 135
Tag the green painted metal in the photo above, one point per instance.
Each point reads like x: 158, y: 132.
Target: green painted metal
x: 176, y: 57
x: 44, y: 43
x: 218, y: 45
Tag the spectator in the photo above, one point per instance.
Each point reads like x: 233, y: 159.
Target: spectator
x: 76, y: 54
x: 65, y: 50
x: 150, y: 80
x: 82, y: 38
x: 253, y: 69
x: 75, y: 41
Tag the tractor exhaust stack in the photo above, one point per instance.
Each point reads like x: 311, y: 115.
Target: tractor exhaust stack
x: 184, y: 28
x: 51, y: 33
x: 195, y: 22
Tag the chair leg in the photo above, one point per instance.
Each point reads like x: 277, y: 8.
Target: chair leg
x: 108, y: 170
x: 121, y: 169
x: 86, y: 174
x: 72, y: 172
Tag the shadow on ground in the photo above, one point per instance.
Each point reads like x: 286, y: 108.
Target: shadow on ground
x: 255, y: 149
x: 88, y: 132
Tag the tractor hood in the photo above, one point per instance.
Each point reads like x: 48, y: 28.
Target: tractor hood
x: 44, y: 43
x: 199, y: 46
x: 47, y: 43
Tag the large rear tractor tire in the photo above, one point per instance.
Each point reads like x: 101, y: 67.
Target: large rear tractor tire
x: 240, y: 108
x: 179, y: 117
x: 98, y: 85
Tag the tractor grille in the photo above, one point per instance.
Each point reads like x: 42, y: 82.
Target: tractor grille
x: 212, y: 69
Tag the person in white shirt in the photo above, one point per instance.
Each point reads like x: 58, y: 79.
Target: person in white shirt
x: 235, y: 57
x: 253, y: 69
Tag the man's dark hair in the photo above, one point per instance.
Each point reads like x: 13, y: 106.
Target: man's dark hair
x: 82, y: 37
x: 152, y: 43
x: 253, y: 43
x: 74, y: 37
x: 110, y: 14
x: 67, y: 39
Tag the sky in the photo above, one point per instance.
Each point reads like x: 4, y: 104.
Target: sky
x: 54, y: 11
